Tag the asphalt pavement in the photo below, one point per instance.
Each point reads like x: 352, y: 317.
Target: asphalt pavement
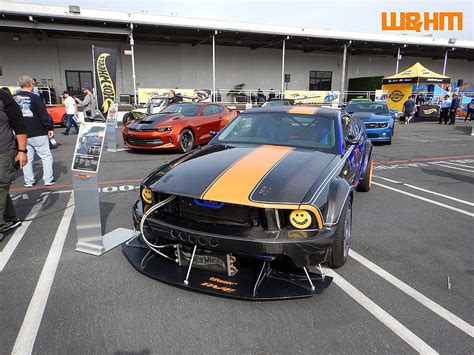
x: 407, y: 286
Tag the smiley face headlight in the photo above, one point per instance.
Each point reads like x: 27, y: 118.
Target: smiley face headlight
x: 300, y: 219
x: 147, y: 195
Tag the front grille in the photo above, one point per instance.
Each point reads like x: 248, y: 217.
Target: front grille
x: 371, y: 135
x: 143, y: 141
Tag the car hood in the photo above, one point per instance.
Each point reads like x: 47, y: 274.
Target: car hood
x: 245, y: 175
x: 152, y: 121
x: 371, y: 117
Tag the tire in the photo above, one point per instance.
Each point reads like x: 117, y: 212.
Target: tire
x: 64, y: 121
x: 127, y: 118
x: 186, y: 140
x: 340, y: 248
x: 366, y: 182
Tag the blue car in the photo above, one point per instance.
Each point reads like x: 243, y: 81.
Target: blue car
x: 379, y: 121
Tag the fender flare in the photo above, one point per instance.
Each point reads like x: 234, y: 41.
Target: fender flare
x: 339, y: 191
x: 369, y: 148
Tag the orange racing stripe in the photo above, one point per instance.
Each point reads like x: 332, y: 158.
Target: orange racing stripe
x: 236, y: 184
x: 303, y: 110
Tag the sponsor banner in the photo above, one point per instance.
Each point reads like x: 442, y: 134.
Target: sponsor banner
x: 313, y: 96
x: 397, y: 95
x: 105, y: 68
x: 381, y: 95
x: 145, y: 93
x: 88, y: 151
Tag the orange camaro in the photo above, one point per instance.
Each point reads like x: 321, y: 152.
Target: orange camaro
x: 177, y: 127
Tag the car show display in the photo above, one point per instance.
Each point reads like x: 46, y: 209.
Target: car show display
x: 269, y: 197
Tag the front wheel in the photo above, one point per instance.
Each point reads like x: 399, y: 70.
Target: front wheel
x: 340, y: 248
x: 186, y: 141
x: 366, y: 182
x: 64, y: 121
x: 127, y: 118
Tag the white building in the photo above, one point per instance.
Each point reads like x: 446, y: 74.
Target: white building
x: 53, y: 43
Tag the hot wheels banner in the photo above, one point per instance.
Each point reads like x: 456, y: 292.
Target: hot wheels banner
x: 313, y: 97
x: 105, y: 68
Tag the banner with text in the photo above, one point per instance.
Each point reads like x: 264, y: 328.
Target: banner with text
x: 105, y: 68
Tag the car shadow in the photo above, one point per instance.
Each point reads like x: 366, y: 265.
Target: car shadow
x: 448, y: 175
x: 464, y: 129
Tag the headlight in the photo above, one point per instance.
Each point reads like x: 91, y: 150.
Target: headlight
x: 147, y: 195
x: 164, y: 129
x: 301, y: 219
x: 382, y: 124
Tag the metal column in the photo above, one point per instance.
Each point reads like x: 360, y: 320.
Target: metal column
x: 283, y: 70
x: 398, y: 61
x: 214, y: 67
x: 134, y: 77
x: 343, y: 78
x: 445, y: 62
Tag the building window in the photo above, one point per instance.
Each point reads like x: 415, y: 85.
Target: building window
x: 77, y: 79
x: 320, y: 80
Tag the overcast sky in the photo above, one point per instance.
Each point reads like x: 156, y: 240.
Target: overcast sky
x: 353, y: 15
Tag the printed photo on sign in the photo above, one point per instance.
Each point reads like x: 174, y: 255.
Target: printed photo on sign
x: 89, y: 145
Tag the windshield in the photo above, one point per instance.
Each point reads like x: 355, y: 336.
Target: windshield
x: 186, y: 110
x: 303, y: 131
x: 372, y: 107
x: 276, y: 103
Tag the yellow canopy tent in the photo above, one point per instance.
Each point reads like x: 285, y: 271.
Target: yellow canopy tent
x: 399, y: 87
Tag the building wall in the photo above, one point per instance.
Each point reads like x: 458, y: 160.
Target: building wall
x: 184, y: 66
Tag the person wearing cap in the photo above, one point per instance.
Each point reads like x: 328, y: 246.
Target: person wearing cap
x: 39, y: 129
x: 87, y: 104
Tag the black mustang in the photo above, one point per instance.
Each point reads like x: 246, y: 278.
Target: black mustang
x: 245, y: 216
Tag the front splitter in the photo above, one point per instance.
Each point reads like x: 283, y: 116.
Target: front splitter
x: 258, y: 281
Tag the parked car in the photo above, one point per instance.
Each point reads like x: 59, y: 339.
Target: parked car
x: 58, y: 114
x: 245, y: 216
x: 379, y: 121
x: 177, y: 127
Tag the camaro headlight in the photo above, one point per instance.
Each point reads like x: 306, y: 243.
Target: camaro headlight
x: 147, y: 195
x: 300, y: 219
x: 164, y: 129
x: 382, y: 124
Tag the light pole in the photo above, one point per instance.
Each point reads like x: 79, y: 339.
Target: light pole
x: 134, y: 77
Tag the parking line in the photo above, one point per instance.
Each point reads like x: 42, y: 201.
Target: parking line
x: 410, y: 291
x: 467, y: 213
x: 16, y: 238
x: 457, y: 164
x: 425, y: 190
x: 29, y: 329
x: 390, y: 322
x: 452, y: 167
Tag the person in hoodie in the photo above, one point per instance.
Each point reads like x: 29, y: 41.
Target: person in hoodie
x: 39, y: 129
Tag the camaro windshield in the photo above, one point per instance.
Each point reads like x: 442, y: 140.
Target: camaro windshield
x: 372, y: 107
x: 303, y: 131
x: 186, y: 110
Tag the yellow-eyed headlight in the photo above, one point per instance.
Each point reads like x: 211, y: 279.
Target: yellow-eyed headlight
x: 300, y: 219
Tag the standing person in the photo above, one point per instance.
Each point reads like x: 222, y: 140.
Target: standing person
x: 38, y: 128
x: 173, y: 99
x: 408, y: 109
x: 453, y: 108
x: 11, y: 120
x: 88, y: 104
x: 470, y: 111
x: 445, y: 105
x: 71, y: 113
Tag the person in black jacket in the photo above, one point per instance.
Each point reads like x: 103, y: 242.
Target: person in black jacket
x: 11, y: 124
x: 452, y: 110
x: 39, y: 129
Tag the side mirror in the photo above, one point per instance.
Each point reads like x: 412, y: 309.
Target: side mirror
x: 212, y: 133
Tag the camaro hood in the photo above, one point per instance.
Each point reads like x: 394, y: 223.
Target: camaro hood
x: 262, y: 174
x: 371, y: 117
x: 152, y: 121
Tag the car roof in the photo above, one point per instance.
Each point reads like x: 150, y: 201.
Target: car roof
x: 301, y: 110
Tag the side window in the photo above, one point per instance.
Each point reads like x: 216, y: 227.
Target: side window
x: 211, y: 110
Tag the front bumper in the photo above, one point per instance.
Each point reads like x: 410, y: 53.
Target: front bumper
x: 379, y: 134
x: 149, y: 141
x: 303, y: 248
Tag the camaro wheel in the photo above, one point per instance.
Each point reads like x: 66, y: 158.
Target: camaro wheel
x: 127, y: 118
x: 366, y: 182
x: 340, y: 248
x: 186, y: 140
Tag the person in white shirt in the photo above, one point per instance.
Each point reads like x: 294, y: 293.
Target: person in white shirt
x: 71, y: 113
x: 444, y: 113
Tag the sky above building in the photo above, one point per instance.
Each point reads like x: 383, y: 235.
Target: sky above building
x: 347, y: 15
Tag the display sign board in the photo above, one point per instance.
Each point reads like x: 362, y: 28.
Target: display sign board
x: 112, y: 116
x: 88, y: 151
x: 313, y: 96
x: 111, y: 128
